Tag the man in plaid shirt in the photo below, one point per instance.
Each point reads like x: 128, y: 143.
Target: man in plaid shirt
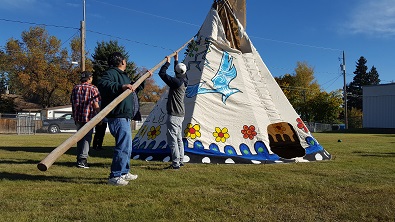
x: 85, y: 99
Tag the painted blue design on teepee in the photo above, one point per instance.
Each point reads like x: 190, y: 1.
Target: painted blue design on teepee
x: 261, y: 149
x: 214, y: 147
x: 229, y: 150
x: 151, y: 145
x: 161, y: 145
x: 245, y: 151
x: 314, y: 146
x: 198, y: 145
x: 142, y: 146
x: 226, y: 73
x: 136, y: 143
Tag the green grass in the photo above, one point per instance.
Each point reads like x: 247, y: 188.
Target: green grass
x: 357, y: 185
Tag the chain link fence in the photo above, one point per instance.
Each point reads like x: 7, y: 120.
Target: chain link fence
x: 19, y: 123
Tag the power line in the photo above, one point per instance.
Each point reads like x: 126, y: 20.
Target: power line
x: 332, y: 80
x: 69, y: 38
x: 298, y: 44
x: 145, y: 13
x: 39, y: 24
x: 129, y: 40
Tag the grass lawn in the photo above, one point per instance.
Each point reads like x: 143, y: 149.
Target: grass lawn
x: 358, y: 184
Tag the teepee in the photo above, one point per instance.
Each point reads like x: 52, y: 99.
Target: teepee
x: 235, y: 110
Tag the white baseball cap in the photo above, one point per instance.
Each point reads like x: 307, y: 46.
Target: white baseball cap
x: 181, y: 68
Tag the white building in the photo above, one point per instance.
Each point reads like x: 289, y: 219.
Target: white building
x: 379, y: 106
x: 55, y: 112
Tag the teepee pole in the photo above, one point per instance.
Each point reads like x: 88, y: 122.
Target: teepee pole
x: 62, y: 148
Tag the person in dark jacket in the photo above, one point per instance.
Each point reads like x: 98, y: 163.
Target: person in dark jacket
x: 100, y: 132
x: 100, y: 128
x: 113, y: 83
x: 175, y: 109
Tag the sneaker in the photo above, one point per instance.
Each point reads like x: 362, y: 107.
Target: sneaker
x: 129, y: 177
x: 171, y: 167
x: 82, y: 163
x: 117, y: 181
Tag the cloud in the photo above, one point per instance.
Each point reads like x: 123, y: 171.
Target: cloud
x: 73, y: 5
x: 373, y: 18
x: 17, y: 4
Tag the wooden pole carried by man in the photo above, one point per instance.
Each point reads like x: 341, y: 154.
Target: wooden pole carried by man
x: 62, y: 148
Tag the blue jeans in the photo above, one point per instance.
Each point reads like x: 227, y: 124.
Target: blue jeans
x: 120, y: 129
x: 83, y: 144
x: 174, y: 139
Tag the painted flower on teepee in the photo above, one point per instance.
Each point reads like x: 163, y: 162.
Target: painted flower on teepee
x: 192, y: 131
x: 248, y: 132
x: 154, y: 132
x: 221, y: 134
x: 279, y: 128
x: 301, y: 125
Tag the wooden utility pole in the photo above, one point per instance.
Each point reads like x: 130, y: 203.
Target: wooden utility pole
x: 343, y: 67
x: 83, y: 39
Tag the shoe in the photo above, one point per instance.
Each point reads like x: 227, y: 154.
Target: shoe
x: 171, y: 167
x: 118, y: 181
x: 129, y: 177
x: 82, y: 163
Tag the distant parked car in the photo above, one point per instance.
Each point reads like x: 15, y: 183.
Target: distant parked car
x: 65, y: 122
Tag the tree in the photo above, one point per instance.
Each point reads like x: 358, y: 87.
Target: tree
x: 102, y: 51
x: 39, y: 68
x: 286, y: 82
x: 151, y: 92
x: 361, y: 78
x: 6, y: 105
x: 373, y: 76
x: 354, y: 118
x: 305, y: 95
x: 326, y: 107
x: 300, y: 88
x: 3, y: 72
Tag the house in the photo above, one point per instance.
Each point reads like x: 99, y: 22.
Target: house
x: 55, y: 112
x: 378, y: 106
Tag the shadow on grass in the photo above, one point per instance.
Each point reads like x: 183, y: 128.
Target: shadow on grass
x: 29, y: 177
x: 368, y: 154
x: 107, y: 152
x: 64, y: 164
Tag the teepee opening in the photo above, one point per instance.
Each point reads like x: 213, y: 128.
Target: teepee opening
x: 284, y: 141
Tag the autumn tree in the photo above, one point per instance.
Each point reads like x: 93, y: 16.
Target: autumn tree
x: 151, y: 92
x: 40, y: 68
x: 3, y: 72
x: 300, y: 88
x: 285, y: 82
x: 305, y: 95
x: 362, y: 78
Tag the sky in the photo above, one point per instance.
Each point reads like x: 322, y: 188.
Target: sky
x: 283, y: 31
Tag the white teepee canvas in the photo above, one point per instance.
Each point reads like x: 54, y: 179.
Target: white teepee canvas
x: 235, y: 110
